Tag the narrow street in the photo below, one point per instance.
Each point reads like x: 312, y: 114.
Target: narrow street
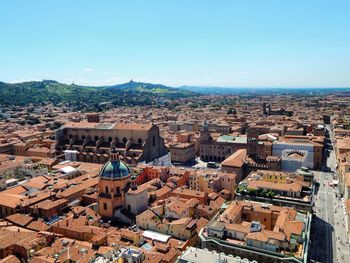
x: 322, y: 237
x: 329, y: 240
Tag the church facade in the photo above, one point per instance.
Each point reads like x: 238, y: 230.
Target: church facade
x: 119, y: 197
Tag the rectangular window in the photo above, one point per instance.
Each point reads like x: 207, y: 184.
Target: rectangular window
x: 105, y: 206
x: 117, y: 190
x: 106, y: 189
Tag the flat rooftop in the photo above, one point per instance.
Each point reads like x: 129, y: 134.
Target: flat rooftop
x: 197, y: 255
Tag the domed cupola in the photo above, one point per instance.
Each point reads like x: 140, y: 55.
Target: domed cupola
x: 115, y: 168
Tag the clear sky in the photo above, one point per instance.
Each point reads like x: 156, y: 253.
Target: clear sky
x: 177, y: 42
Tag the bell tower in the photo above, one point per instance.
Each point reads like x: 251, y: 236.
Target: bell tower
x: 205, y: 134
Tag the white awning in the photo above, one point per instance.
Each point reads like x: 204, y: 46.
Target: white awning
x: 156, y: 236
x: 67, y: 169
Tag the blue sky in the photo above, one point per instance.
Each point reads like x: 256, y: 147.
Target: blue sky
x: 244, y: 43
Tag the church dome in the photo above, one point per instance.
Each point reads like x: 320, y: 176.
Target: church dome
x: 115, y: 169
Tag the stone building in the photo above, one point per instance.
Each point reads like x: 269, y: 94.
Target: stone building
x: 216, y: 147
x: 311, y: 148
x: 258, y: 231
x: 267, y: 110
x: 118, y: 194
x: 182, y: 153
x: 93, y: 141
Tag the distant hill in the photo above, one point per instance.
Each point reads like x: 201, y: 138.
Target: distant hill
x: 87, y: 97
x: 153, y: 89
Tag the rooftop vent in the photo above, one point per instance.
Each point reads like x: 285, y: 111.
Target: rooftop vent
x: 65, y: 242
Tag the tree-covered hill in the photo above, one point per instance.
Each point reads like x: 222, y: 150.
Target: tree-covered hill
x: 87, y: 97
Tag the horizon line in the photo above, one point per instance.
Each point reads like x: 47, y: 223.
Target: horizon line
x: 185, y: 85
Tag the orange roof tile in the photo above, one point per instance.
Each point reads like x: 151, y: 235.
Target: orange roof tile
x: 237, y: 159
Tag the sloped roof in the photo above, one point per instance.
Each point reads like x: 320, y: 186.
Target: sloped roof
x: 237, y: 159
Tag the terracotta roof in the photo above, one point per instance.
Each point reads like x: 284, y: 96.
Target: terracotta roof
x: 49, y: 204
x: 11, y: 237
x: 181, y: 221
x: 138, y: 190
x: 192, y: 202
x: 265, y: 235
x: 78, y: 251
x: 37, y: 198
x: 162, y: 191
x: 19, y: 219
x: 10, y: 259
x: 38, y: 225
x: 189, y: 193
x: 293, y: 227
x: 10, y: 201
x: 213, y: 195
x: 37, y: 185
x: 17, y: 190
x: 148, y: 214
x: 237, y: 159
x: 82, y: 125
x: 79, y: 188
x: 201, y: 222
x: 238, y: 228
x: 133, y: 126
x: 177, y: 207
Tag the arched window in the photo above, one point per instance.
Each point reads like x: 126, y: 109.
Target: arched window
x: 139, y: 141
x: 83, y: 137
x: 124, y: 140
x: 96, y: 138
x: 110, y: 139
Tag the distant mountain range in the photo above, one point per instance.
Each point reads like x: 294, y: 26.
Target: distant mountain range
x: 88, y: 97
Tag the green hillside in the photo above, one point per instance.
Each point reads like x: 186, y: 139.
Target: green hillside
x: 162, y: 90
x: 87, y: 98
